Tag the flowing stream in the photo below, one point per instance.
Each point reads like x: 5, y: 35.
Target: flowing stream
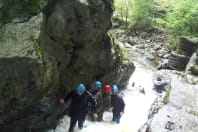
x: 137, y: 103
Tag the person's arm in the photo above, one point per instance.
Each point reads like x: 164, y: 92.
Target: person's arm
x: 69, y: 96
x: 66, y: 98
x: 112, y: 100
x: 122, y: 106
x: 93, y: 102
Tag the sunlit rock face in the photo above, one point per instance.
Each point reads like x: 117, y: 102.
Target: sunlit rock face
x: 47, y: 48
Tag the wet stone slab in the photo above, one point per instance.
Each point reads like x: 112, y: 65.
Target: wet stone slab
x: 184, y: 96
x: 172, y: 119
x: 181, y: 112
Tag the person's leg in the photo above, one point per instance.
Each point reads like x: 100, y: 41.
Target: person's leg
x: 72, y: 124
x: 118, y: 118
x: 100, y: 115
x: 114, y: 117
x: 80, y: 123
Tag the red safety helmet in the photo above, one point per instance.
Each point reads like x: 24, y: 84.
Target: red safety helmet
x: 106, y: 88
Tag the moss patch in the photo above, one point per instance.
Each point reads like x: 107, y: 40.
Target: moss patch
x: 194, y: 69
x: 166, y: 98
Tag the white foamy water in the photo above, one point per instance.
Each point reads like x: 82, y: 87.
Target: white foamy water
x: 136, y: 109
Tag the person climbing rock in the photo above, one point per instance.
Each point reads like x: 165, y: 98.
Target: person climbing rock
x: 80, y: 98
x: 117, y: 103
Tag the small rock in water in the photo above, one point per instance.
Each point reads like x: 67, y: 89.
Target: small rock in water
x: 133, y: 84
x: 141, y: 90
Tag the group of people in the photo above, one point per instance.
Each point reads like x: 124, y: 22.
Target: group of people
x: 93, y: 103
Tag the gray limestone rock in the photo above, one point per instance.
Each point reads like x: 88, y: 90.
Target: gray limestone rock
x: 44, y: 55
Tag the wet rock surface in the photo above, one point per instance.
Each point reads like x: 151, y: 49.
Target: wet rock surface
x: 180, y: 112
x: 175, y: 108
x: 173, y: 119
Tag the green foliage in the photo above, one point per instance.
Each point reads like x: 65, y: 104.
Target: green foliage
x: 180, y: 17
x: 161, y: 8
x: 183, y: 20
x: 119, y: 52
x: 39, y: 53
x: 140, y: 16
x: 160, y: 22
x: 123, y: 9
x: 173, y: 41
x: 37, y: 49
x: 137, y: 12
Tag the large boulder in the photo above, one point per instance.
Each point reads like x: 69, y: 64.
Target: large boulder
x: 185, y: 48
x: 177, y: 61
x: 187, y: 45
x: 44, y: 55
x: 180, y: 112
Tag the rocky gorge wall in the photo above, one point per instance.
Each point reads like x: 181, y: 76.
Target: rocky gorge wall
x: 47, y: 48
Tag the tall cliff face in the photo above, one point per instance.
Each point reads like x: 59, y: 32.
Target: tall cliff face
x: 75, y: 41
x: 47, y: 48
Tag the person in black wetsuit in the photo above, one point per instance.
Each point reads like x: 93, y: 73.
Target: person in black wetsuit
x: 117, y: 103
x: 80, y: 98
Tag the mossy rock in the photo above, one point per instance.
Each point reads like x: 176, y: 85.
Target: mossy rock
x: 177, y: 61
x: 187, y: 46
x: 194, y: 70
x: 22, y: 9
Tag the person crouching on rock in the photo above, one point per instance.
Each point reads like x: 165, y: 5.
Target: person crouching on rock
x: 80, y: 98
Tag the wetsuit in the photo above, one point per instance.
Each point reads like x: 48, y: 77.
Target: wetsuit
x: 118, y: 105
x: 79, y: 107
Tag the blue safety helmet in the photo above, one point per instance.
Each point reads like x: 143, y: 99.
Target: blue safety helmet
x: 97, y: 84
x: 114, y: 89
x: 80, y: 88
